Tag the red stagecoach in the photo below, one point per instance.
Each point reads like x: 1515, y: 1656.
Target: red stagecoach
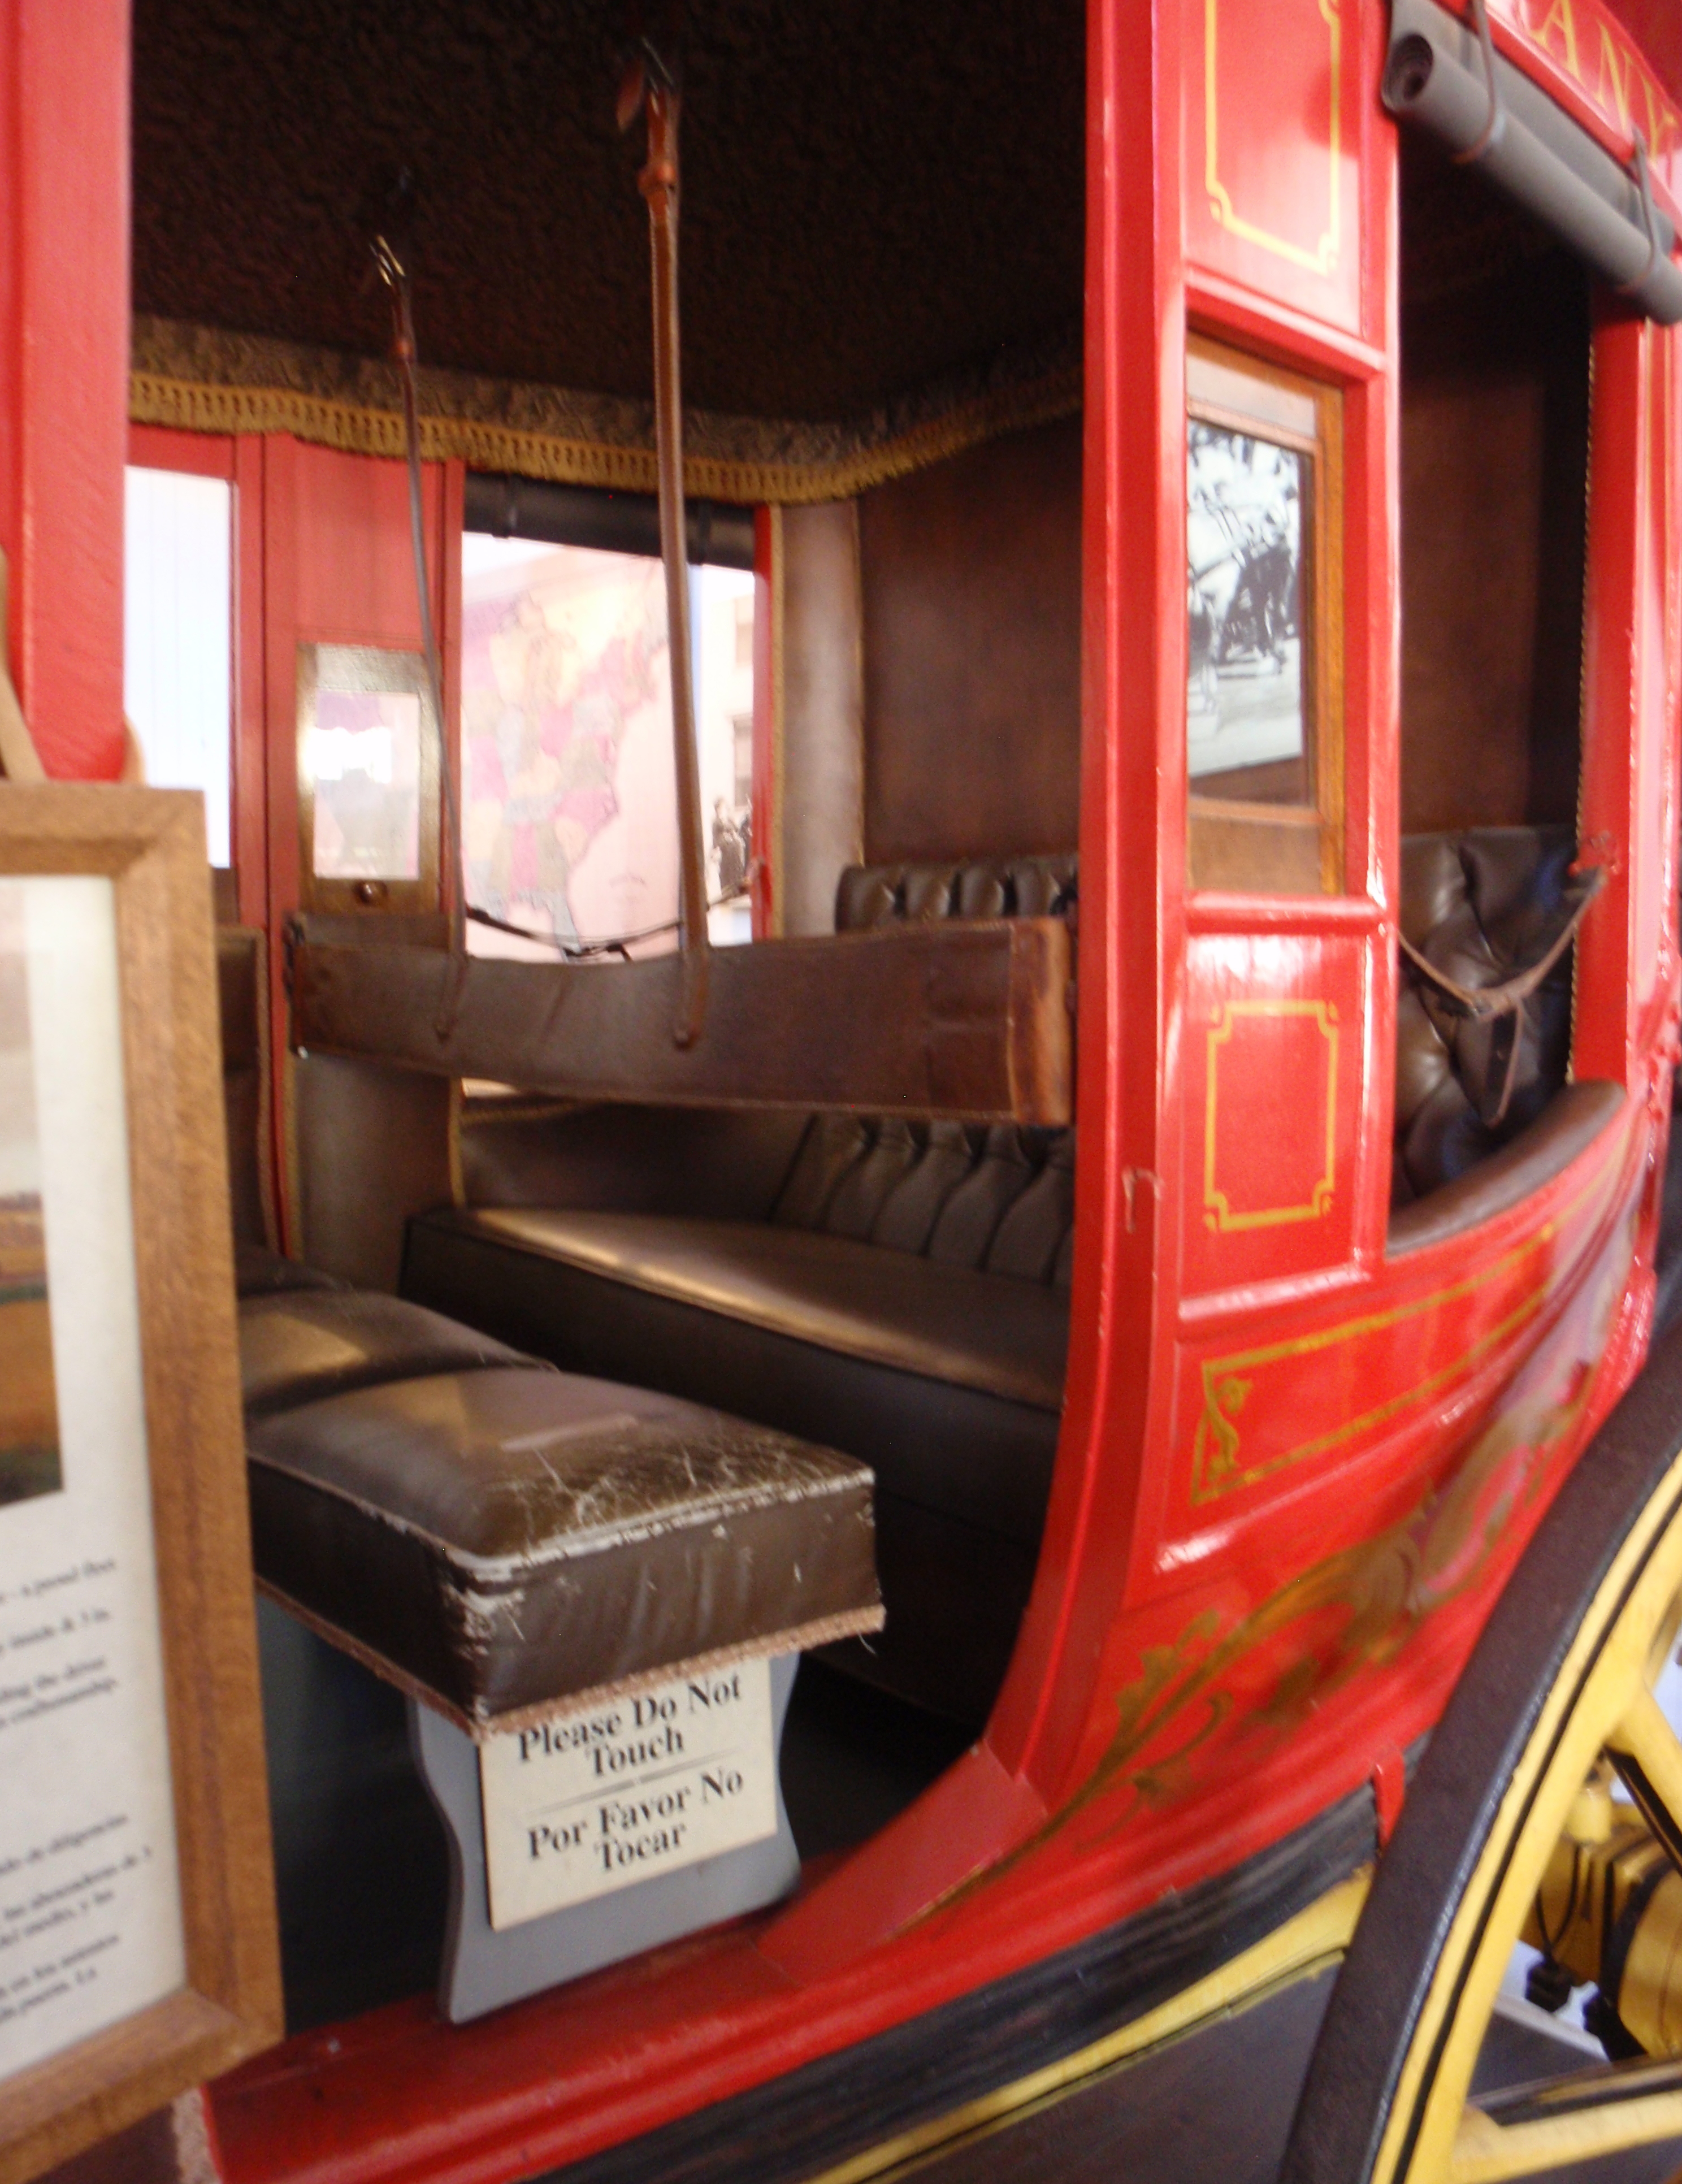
x: 1191, y: 1114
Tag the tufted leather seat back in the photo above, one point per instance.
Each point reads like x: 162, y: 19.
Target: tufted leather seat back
x: 1481, y: 907
x: 987, y: 887
x: 1001, y: 1199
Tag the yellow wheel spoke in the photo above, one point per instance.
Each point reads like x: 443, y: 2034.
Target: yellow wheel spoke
x: 1645, y: 1751
x: 1573, y: 2119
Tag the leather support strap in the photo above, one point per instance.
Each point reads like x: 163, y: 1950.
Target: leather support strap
x: 1484, y: 1002
x: 1488, y: 1004
x: 659, y: 183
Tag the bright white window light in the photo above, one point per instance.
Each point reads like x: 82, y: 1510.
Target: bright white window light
x: 177, y: 637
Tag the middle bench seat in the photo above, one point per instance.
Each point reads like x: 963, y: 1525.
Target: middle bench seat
x: 497, y: 1538
x: 534, y: 1558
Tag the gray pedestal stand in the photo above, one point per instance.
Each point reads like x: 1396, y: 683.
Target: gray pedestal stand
x: 483, y: 1968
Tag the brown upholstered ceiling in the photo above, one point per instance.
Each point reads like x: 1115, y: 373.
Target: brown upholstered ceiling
x: 877, y: 191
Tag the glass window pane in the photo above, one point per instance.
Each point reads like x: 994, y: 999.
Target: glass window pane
x: 1247, y: 728
x: 177, y: 648
x: 569, y: 806
x: 362, y: 752
x: 722, y: 610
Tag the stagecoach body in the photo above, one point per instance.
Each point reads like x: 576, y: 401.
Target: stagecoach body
x: 1328, y: 1364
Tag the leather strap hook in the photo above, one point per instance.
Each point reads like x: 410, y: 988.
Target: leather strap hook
x: 1497, y: 115
x: 395, y: 275
x: 1644, y: 184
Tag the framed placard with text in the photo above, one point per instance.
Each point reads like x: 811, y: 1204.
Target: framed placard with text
x: 137, y: 1942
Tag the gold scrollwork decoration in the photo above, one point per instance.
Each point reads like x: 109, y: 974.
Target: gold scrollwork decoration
x: 1217, y: 1465
x: 1324, y: 256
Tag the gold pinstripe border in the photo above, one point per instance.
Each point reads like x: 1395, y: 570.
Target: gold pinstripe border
x: 1219, y: 1212
x: 1215, y: 1464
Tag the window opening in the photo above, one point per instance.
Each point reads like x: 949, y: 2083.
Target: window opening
x: 1496, y: 332
x: 177, y: 637
x: 569, y: 804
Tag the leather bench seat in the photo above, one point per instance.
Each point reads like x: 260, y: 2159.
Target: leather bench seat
x: 901, y: 1292
x: 297, y: 1345
x: 498, y: 1538
x: 952, y: 1377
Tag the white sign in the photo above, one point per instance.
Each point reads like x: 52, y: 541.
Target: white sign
x: 90, y: 1899
x: 577, y: 1808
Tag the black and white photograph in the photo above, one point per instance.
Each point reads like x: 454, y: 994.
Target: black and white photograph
x: 1244, y: 558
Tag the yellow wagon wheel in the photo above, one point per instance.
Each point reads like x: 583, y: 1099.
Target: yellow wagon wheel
x: 1558, y: 1696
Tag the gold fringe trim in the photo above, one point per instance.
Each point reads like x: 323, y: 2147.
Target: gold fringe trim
x: 352, y: 428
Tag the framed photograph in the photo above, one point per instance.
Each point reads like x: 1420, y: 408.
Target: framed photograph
x: 1264, y: 635
x: 138, y: 1952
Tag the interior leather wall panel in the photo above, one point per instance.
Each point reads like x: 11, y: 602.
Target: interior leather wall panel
x: 1495, y: 458
x: 971, y: 590
x: 373, y: 1148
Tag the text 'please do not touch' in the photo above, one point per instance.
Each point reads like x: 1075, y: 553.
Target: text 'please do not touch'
x: 577, y: 1808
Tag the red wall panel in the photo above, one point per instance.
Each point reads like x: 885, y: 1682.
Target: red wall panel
x: 64, y: 369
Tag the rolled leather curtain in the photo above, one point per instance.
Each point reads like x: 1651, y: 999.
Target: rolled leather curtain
x: 1434, y: 77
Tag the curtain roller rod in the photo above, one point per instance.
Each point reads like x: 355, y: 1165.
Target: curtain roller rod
x: 1443, y: 76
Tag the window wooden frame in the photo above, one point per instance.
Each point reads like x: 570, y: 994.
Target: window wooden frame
x: 1234, y: 845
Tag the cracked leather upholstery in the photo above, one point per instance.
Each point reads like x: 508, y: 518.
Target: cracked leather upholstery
x: 502, y: 1539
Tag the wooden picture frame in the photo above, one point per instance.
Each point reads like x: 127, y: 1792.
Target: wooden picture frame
x: 160, y: 1079
x: 1262, y: 837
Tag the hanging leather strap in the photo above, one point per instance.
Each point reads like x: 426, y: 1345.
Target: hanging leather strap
x: 19, y: 761
x: 394, y: 272
x: 651, y: 84
x: 1486, y: 1004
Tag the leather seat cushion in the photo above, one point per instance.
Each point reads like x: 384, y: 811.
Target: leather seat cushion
x: 502, y: 1540
x: 261, y: 1273
x: 947, y: 1381
x: 298, y: 1345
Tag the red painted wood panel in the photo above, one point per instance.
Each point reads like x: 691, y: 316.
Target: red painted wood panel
x: 202, y: 454
x: 1273, y: 197
x: 64, y: 369
x: 353, y: 568
x: 338, y: 568
x: 1273, y: 1055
